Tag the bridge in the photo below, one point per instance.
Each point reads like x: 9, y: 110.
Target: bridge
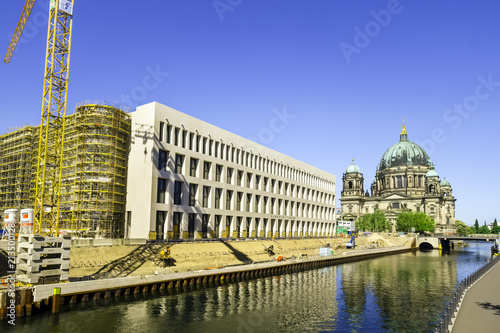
x: 434, y: 241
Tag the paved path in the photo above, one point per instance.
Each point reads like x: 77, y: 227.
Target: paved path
x: 480, y: 310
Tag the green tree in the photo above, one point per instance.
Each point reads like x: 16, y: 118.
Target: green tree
x: 484, y: 230
x: 418, y: 220
x: 496, y: 228
x: 373, y: 222
x: 476, y: 226
x: 462, y: 228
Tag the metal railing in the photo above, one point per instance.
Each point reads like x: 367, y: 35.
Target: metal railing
x: 451, y: 308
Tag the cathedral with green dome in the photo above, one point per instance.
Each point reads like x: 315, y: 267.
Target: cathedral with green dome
x: 405, y: 180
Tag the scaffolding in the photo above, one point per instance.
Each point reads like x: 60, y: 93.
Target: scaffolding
x: 16, y: 153
x: 94, y: 169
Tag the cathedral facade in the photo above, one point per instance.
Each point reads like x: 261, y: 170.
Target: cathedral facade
x: 405, y: 180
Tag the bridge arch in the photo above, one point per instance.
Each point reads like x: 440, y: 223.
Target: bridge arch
x: 426, y: 246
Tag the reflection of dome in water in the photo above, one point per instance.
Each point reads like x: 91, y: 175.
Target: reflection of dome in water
x: 404, y: 153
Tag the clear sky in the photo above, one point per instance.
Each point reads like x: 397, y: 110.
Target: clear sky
x: 343, y: 74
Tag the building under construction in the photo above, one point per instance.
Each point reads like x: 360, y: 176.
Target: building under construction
x: 97, y: 138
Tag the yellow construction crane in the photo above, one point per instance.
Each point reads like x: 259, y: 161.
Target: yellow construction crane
x: 52, y: 126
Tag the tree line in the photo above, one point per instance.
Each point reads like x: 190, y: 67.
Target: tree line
x: 464, y: 229
x: 406, y: 221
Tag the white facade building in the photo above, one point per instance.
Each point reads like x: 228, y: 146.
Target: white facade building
x: 189, y: 179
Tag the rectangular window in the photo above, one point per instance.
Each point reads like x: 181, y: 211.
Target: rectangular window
x: 257, y: 181
x: 169, y: 133
x: 206, y: 196
x: 249, y: 179
x: 229, y: 175
x: 176, y: 136
x: 239, y: 181
x: 160, y: 138
x: 191, y: 225
x: 273, y: 185
x: 216, y: 150
x: 162, y: 160
x: 204, y: 148
x: 218, y: 172
x: 395, y: 205
x: 210, y: 144
x: 205, y: 218
x: 191, y: 141
x: 177, y: 224
x: 178, y: 193
x: 184, y: 138
x: 280, y: 185
x: 193, y: 188
x: 206, y: 169
x: 193, y: 168
x: 266, y: 209
x: 229, y: 196
x: 162, y: 189
x: 256, y: 203
x: 266, y: 180
x: 273, y: 205
x: 249, y: 201
x: 218, y: 196
x: 161, y: 217
x: 179, y: 161
x: 218, y: 220
x: 239, y: 199
x: 198, y: 139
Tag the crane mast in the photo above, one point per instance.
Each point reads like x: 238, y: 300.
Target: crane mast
x: 52, y: 126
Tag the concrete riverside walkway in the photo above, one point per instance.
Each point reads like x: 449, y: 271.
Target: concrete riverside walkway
x: 480, y: 309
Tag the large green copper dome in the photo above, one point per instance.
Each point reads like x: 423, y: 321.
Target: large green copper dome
x: 404, y: 153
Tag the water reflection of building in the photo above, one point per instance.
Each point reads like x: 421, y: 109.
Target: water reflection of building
x: 405, y: 180
x: 408, y: 293
x: 264, y: 304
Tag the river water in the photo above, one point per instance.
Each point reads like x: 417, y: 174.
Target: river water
x: 397, y: 293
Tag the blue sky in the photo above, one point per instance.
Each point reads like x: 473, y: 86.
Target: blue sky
x: 346, y: 72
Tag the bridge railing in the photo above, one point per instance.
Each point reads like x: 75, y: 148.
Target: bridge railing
x: 450, y: 310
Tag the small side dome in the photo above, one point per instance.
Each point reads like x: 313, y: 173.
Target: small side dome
x: 353, y: 168
x: 431, y: 173
x: 445, y: 183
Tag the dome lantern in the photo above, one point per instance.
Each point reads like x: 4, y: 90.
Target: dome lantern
x: 404, y: 135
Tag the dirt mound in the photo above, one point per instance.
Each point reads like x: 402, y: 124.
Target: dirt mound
x: 117, y: 261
